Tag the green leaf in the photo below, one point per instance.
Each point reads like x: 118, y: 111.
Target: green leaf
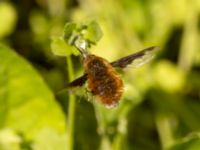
x: 191, y: 142
x: 177, y: 77
x: 3, y: 93
x: 26, y: 103
x: 60, y: 48
x: 47, y: 136
x: 69, y: 32
x: 93, y: 32
x: 9, y: 140
x: 90, y: 32
x: 8, y: 15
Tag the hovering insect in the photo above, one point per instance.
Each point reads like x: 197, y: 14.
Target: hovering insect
x: 103, y: 80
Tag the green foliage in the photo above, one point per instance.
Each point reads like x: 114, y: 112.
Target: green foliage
x: 90, y: 32
x: 93, y: 32
x: 70, y: 30
x: 162, y: 71
x: 60, y: 48
x: 160, y: 103
x: 47, y: 136
x: 29, y: 112
x: 63, y: 46
x: 7, y: 15
x: 9, y: 140
x: 191, y: 142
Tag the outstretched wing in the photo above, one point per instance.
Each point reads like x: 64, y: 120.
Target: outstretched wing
x: 137, y: 59
x: 79, y: 81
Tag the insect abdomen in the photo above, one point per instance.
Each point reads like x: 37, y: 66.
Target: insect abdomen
x: 103, y: 80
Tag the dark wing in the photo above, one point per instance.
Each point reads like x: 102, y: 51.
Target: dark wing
x: 137, y: 59
x: 79, y: 81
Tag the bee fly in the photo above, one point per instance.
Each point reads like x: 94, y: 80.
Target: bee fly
x: 103, y: 80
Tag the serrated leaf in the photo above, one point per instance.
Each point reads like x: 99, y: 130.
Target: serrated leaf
x: 29, y: 105
x: 93, y: 32
x: 60, y: 48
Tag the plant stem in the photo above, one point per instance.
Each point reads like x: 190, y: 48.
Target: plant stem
x: 71, y: 109
x: 164, y: 130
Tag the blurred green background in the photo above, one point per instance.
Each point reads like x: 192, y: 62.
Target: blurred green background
x: 160, y: 108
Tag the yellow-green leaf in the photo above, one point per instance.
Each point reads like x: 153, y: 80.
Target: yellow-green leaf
x: 60, y: 48
x: 26, y: 103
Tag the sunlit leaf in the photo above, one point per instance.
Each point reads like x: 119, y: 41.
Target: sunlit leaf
x: 69, y: 31
x: 47, y: 136
x: 27, y: 104
x: 90, y: 32
x: 8, y: 18
x: 39, y: 26
x: 60, y: 48
x: 9, y: 140
x: 93, y: 32
x: 169, y: 77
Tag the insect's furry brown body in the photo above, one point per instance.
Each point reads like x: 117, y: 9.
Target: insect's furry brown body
x: 103, y: 81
